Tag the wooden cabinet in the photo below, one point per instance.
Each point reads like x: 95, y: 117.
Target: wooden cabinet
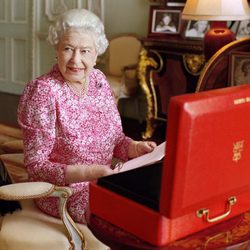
x: 167, y: 67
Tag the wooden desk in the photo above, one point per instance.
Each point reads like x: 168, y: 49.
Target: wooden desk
x: 167, y: 67
x: 229, y: 235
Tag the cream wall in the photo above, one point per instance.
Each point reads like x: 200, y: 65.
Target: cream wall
x: 126, y: 16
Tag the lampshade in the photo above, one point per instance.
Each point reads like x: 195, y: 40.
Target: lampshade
x: 215, y: 10
x: 218, y: 12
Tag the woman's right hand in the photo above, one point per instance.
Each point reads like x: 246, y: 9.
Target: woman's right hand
x: 80, y: 173
x: 93, y: 172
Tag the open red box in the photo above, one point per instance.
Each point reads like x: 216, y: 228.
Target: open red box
x: 203, y: 180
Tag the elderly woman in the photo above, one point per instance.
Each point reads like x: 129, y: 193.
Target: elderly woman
x: 71, y: 125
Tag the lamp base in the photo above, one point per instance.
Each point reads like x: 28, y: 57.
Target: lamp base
x: 215, y: 38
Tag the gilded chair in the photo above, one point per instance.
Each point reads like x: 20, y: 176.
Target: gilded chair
x: 121, y: 62
x: 150, y: 63
x: 29, y: 228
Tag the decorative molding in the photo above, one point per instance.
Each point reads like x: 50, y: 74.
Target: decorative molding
x: 15, y: 54
x: 147, y: 65
x: 13, y: 11
x: 97, y: 7
x: 53, y: 8
x: 16, y: 76
x: 3, y: 11
x: 34, y: 13
x: 3, y: 49
x: 194, y: 63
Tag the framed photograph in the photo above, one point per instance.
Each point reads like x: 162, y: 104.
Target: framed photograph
x: 196, y: 29
x: 243, y: 29
x: 164, y: 21
x: 239, y: 68
x: 233, y: 26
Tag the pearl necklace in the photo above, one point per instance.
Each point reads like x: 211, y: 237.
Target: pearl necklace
x: 79, y: 92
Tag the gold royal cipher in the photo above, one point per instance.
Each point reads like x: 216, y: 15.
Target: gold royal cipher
x: 237, y: 150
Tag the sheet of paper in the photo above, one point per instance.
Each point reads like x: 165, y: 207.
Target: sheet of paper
x: 156, y: 155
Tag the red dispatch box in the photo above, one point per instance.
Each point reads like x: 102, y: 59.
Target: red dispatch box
x: 204, y: 178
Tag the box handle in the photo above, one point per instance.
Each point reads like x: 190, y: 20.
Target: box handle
x: 205, y: 212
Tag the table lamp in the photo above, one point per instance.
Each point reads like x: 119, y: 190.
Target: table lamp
x: 218, y: 12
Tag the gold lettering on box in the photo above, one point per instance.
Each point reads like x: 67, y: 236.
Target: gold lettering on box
x: 237, y: 150
x: 241, y: 100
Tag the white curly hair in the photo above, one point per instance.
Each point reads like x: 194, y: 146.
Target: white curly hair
x: 81, y: 19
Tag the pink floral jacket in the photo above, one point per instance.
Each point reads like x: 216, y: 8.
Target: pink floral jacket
x: 60, y: 128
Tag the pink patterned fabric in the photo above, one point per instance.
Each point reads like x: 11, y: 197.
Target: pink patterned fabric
x: 60, y: 128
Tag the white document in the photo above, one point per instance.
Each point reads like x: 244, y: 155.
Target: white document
x: 156, y: 155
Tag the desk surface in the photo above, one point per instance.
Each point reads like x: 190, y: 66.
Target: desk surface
x: 229, y: 235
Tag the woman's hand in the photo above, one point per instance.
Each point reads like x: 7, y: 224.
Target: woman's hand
x: 80, y: 173
x: 145, y: 147
x: 138, y: 148
x: 93, y: 172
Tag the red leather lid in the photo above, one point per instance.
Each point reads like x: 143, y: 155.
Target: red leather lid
x: 208, y: 150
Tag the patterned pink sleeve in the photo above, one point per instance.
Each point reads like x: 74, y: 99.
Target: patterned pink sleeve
x: 37, y: 117
x: 121, y: 149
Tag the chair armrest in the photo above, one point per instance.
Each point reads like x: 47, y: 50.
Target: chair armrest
x: 130, y: 71
x: 129, y: 81
x: 130, y: 67
x: 33, y: 190
x: 26, y: 190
